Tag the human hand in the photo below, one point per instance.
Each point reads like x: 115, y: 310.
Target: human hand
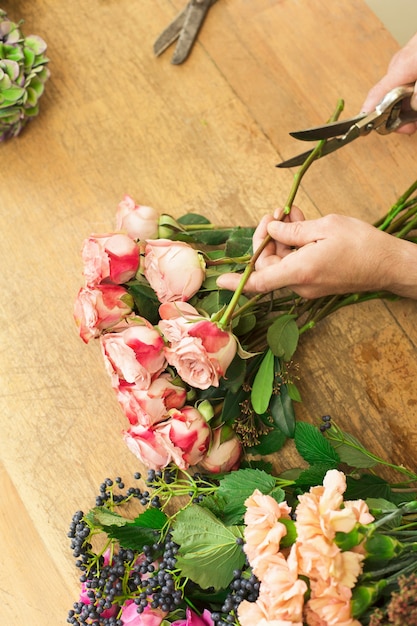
x: 333, y: 254
x: 401, y: 70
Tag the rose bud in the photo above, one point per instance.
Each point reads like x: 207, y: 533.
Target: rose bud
x: 134, y: 355
x: 200, y: 351
x: 150, y: 406
x: 140, y: 222
x: 153, y: 449
x: 110, y: 258
x: 223, y: 456
x: 174, y: 270
x: 188, y: 431
x: 100, y: 308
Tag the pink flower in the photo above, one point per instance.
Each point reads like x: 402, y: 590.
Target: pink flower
x: 189, y: 431
x: 149, y: 617
x: 320, y: 511
x: 223, y: 456
x: 183, y: 439
x: 99, y: 308
x: 150, y: 406
x: 264, y: 531
x: 200, y: 351
x: 174, y: 269
x: 151, y: 447
x: 331, y: 602
x: 109, y: 258
x: 192, y: 619
x: 140, y: 222
x: 134, y: 355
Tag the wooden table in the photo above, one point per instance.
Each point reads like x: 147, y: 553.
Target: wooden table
x: 204, y: 136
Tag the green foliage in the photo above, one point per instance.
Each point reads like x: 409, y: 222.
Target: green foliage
x: 269, y: 443
x: 282, y: 336
x: 314, y: 447
x: 207, y: 545
x: 350, y: 450
x: 282, y: 411
x: 263, y: 384
x: 139, y: 532
x: 146, y: 302
x: 237, y: 486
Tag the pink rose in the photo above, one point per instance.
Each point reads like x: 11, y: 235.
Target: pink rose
x: 174, y: 270
x: 140, y: 222
x: 111, y: 258
x: 152, y: 448
x: 134, y: 355
x: 189, y: 431
x: 149, y: 617
x: 183, y: 439
x: 99, y: 308
x: 200, y: 351
x: 223, y: 456
x: 192, y: 619
x: 150, y: 406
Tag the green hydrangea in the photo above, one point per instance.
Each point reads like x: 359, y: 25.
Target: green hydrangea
x: 23, y: 73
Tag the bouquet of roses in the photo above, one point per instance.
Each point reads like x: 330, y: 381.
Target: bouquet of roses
x: 202, y: 374
x: 205, y: 377
x: 313, y: 546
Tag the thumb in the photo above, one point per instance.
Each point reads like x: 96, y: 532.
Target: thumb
x: 294, y: 233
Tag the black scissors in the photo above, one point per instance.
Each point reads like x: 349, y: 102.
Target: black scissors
x: 185, y: 27
x: 389, y: 115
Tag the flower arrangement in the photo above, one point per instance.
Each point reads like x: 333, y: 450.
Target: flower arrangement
x: 23, y: 74
x: 205, y: 378
x: 311, y: 546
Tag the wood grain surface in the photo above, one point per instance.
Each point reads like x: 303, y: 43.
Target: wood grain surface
x: 204, y: 136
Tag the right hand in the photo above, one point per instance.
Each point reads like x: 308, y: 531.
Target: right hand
x: 401, y: 71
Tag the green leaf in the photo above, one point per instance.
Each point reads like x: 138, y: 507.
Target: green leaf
x: 101, y: 516
x: 192, y: 218
x: 132, y: 537
x: 312, y: 476
x: 151, y: 518
x: 282, y: 411
x: 145, y: 300
x: 235, y: 374
x: 263, y: 384
x: 141, y: 531
x: 313, y: 446
x: 239, y: 246
x: 232, y: 404
x: 237, y: 486
x: 352, y: 452
x: 293, y: 392
x: 206, y: 545
x: 367, y: 486
x: 269, y: 443
x: 282, y: 336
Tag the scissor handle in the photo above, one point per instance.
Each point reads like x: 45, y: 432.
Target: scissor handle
x: 391, y: 112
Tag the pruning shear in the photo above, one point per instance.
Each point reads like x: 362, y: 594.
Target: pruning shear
x: 185, y: 27
x: 389, y: 115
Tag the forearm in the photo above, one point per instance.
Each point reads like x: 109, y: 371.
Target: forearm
x: 401, y: 269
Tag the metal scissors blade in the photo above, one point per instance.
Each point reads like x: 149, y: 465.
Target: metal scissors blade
x: 387, y: 117
x: 185, y: 27
x: 329, y: 147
